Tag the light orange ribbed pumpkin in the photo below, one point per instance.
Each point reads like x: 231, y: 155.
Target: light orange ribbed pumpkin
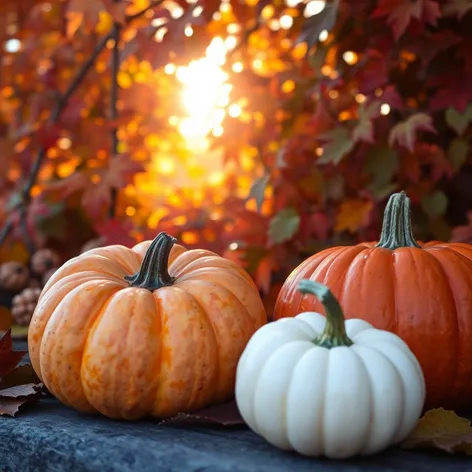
x: 164, y: 340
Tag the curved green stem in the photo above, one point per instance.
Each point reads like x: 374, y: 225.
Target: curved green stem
x: 334, y: 334
x: 154, y: 273
x: 396, y: 228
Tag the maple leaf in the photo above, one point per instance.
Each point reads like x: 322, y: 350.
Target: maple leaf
x: 364, y: 130
x: 400, y: 13
x: 426, y: 47
x: 457, y: 8
x: 18, y: 384
x: 114, y: 231
x: 263, y: 275
x: 284, y: 225
x: 84, y: 13
x: 459, y: 121
x: 314, y: 25
x: 404, y: 133
x: 8, y: 358
x: 117, y: 10
x: 452, y: 91
x: 434, y: 204
x: 340, y: 143
x: 258, y: 190
x: 441, y: 429
x: 458, y: 152
x: 352, y: 215
x: 121, y: 170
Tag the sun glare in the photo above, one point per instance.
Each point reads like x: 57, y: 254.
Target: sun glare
x: 205, y: 94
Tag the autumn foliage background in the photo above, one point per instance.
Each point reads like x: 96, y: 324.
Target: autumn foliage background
x: 317, y: 121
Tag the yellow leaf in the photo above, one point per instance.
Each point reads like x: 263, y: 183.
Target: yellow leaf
x: 441, y: 429
x: 352, y: 215
x: 105, y: 22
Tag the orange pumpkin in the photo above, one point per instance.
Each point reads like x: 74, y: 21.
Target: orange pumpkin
x: 421, y: 292
x: 164, y: 340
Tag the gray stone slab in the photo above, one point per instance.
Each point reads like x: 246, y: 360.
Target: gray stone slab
x: 49, y: 437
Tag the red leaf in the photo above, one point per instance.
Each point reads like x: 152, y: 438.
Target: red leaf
x: 18, y: 385
x: 115, y: 232
x: 404, y: 133
x: 121, y: 171
x: 426, y: 47
x: 96, y: 200
x: 48, y: 136
x: 457, y: 8
x: 452, y: 91
x: 263, y: 276
x: 117, y: 9
x: 8, y: 358
x: 374, y: 74
x: 400, y: 13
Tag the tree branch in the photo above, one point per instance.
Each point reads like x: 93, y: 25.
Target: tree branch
x: 59, y: 108
x: 115, y: 67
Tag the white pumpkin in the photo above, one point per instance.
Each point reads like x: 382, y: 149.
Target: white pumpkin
x: 326, y: 387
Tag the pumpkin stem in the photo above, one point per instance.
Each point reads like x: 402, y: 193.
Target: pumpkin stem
x: 396, y: 228
x: 154, y: 273
x: 334, y: 334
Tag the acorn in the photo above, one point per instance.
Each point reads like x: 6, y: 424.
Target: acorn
x: 23, y: 306
x: 44, y: 260
x: 14, y: 276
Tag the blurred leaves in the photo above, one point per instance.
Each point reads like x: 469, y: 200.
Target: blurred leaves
x: 315, y: 132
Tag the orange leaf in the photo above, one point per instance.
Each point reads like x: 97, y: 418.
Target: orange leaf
x: 353, y: 215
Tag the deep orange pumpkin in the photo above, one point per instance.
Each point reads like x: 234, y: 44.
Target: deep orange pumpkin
x: 421, y: 292
x: 164, y: 340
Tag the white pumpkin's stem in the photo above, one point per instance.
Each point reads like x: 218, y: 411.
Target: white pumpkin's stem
x: 154, y: 272
x: 334, y: 333
x: 396, y: 227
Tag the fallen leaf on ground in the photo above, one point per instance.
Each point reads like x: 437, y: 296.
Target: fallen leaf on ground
x: 226, y: 414
x: 18, y: 384
x: 441, y: 429
x: 8, y: 358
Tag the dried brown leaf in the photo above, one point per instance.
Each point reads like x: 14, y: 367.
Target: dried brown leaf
x: 226, y: 414
x: 441, y: 429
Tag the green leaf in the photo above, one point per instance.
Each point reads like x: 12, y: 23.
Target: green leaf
x: 381, y: 164
x: 364, y: 130
x: 340, y: 144
x: 458, y: 152
x: 434, y: 204
x: 258, y: 189
x: 314, y: 25
x: 284, y: 225
x: 459, y: 121
x: 404, y: 132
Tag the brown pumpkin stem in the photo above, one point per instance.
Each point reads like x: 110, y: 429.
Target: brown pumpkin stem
x: 334, y: 333
x: 154, y: 273
x: 396, y: 228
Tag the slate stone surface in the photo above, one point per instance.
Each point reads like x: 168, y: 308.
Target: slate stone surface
x: 49, y: 437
